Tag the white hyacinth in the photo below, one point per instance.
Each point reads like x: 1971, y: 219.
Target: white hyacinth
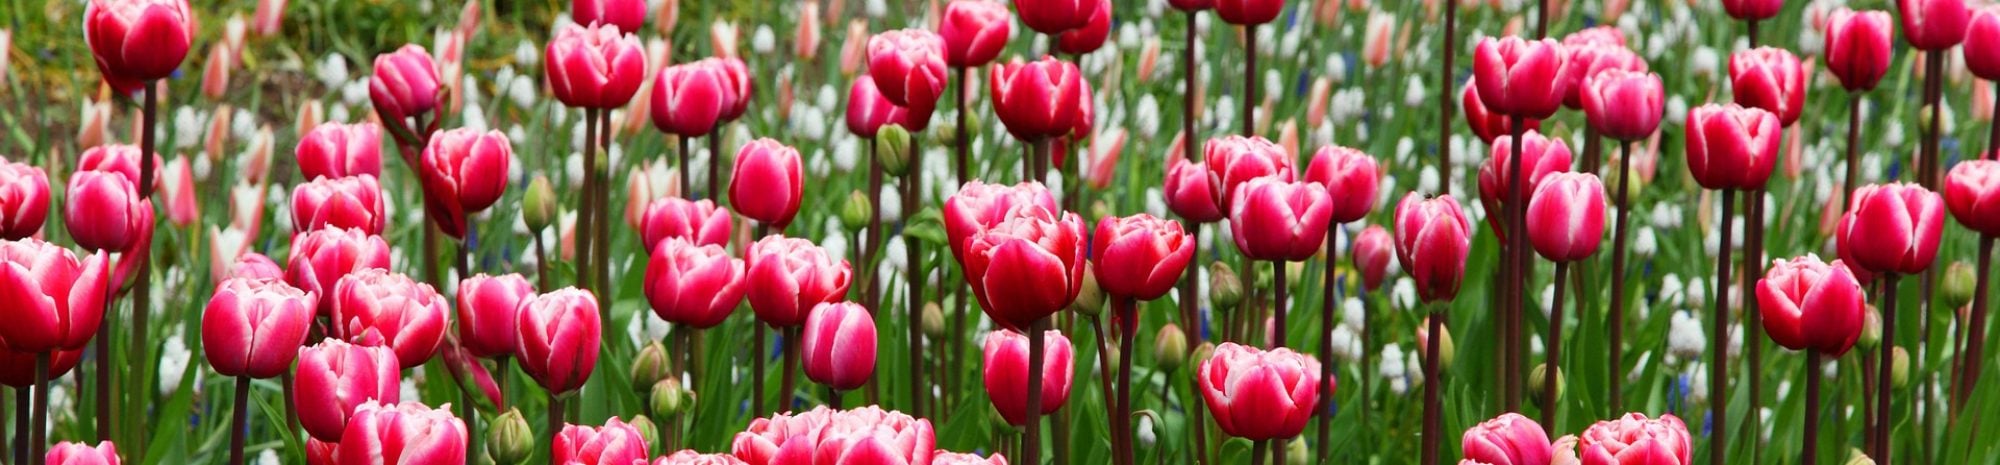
x: 1685, y: 338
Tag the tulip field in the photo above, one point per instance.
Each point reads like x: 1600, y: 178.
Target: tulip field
x: 833, y: 232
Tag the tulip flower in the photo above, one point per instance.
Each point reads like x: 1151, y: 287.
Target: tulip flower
x: 617, y: 443
x: 378, y: 308
x: 1811, y: 305
x: 1487, y: 124
x: 17, y: 369
x: 1541, y: 158
x: 558, y: 336
x: 76, y: 453
x: 1373, y: 249
x: 1190, y: 194
x: 1040, y: 99
x: 626, y: 15
x: 334, y: 378
x: 349, y: 202
x: 319, y: 258
x: 690, y: 99
x: 1932, y: 25
x: 257, y: 266
x: 487, y: 308
x: 1566, y: 217
x: 320, y: 452
x: 1771, y: 79
x: 1259, y: 395
x: 402, y: 434
x: 1509, y: 439
x: 176, y: 188
x: 1279, y: 221
x: 690, y: 457
x: 405, y: 84
x: 974, y: 32
x: 787, y: 277
x: 1053, y: 17
x: 1248, y: 12
x: 859, y: 436
x: 103, y: 210
x: 1637, y: 439
x: 868, y: 111
x: 1731, y: 147
x: 24, y: 200
x: 1858, y: 50
x: 1005, y: 372
x: 1519, y: 77
x: 700, y: 222
x: 954, y: 458
x: 1752, y: 10
x: 1350, y: 178
x: 1026, y: 267
x: 1091, y: 36
x: 1432, y: 239
x: 839, y: 345
x: 1900, y: 224
x: 1969, y: 194
x: 908, y: 66
x: 1234, y: 160
x: 978, y: 206
x: 1589, y: 59
x: 138, y: 40
x: 59, y: 300
x: 596, y: 67
x: 1139, y: 257
x: 694, y: 285
x: 250, y: 327
x: 1623, y: 104
x: 337, y: 150
x: 767, y: 184
x: 464, y: 171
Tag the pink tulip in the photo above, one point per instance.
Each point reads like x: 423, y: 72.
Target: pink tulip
x: 405, y: 83
x: 1933, y: 24
x: 1027, y: 266
x: 471, y: 376
x: 1972, y: 194
x: 254, y: 265
x: 1635, y: 439
x: 1809, y: 304
x: 690, y: 99
x: 1731, y: 147
x: 1258, y: 395
x: 1892, y: 228
x: 839, y: 345
x: 379, y: 308
x: 1278, y: 220
x: 558, y: 338
x: 464, y: 171
x: 1373, y: 249
x: 337, y: 150
x: 978, y: 206
x: 402, y: 434
x: 974, y: 32
x: 1191, y: 5
x: 1234, y: 160
x: 694, y: 285
x: 335, y: 377
x: 103, y: 210
x: 1039, y: 99
x: 787, y: 277
x: 737, y: 77
x: 1603, y: 34
x: 1858, y: 50
x: 1139, y: 257
x: 626, y: 15
x: 867, y: 435
x: 1752, y: 10
x: 700, y: 222
x: 1248, y: 12
x: 138, y: 40
x: 269, y: 16
x: 1432, y: 240
x: 766, y: 184
x: 617, y: 443
x: 56, y: 300
x: 1624, y: 105
x: 1769, y: 78
x: 1091, y: 36
x: 215, y: 72
x: 1005, y: 372
x: 1541, y: 156
x: 1053, y: 17
x: 595, y: 67
x: 868, y: 111
x: 487, y: 307
x: 908, y: 66
x: 251, y: 327
x: 319, y: 258
x: 1190, y: 194
x: 349, y: 202
x: 320, y: 452
x: 690, y: 457
x: 1351, y: 179
x: 17, y: 369
x: 1566, y: 217
x: 176, y: 189
x: 1591, y: 59
x: 1509, y: 439
x: 24, y: 200
x: 76, y: 453
x: 1488, y: 125
x: 1520, y: 78
x: 1982, y: 43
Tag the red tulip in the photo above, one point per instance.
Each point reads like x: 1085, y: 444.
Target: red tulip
x: 1520, y: 78
x: 690, y: 457
x: 251, y: 327
x: 1139, y: 257
x: 1752, y: 10
x: 1026, y: 267
x: 863, y: 436
x: 1858, y: 50
x: 789, y: 276
x: 24, y: 200
x: 1982, y: 43
x: 1541, y: 156
x: 1432, y: 240
x: 978, y: 206
x: 138, y: 40
x: 1351, y: 179
x: 694, y: 285
x: 1234, y: 160
x: 349, y: 202
x: 1190, y: 194
x: 1248, y: 12
x: 839, y: 345
x: 1809, y: 304
x: 55, y: 300
x: 322, y: 256
x: 974, y: 32
x: 464, y: 171
x: 1899, y: 224
x: 1769, y: 78
x: 17, y: 369
x: 700, y: 222
x: 487, y: 307
x: 908, y: 66
x: 376, y: 307
x: 1258, y: 395
x: 337, y: 150
x: 595, y: 67
x: 1731, y: 147
x: 1372, y: 251
x: 1509, y: 439
x: 1038, y: 99
x: 402, y: 434
x: 1278, y: 220
x: 405, y: 83
x: 1933, y: 24
x: 1624, y: 105
x: 690, y: 99
x: 558, y: 338
x: 766, y: 184
x: 1005, y: 371
x: 1091, y: 36
x: 103, y: 210
x: 320, y: 452
x: 1053, y: 17
x: 176, y: 189
x: 617, y: 443
x: 1566, y: 217
x: 1972, y: 194
x: 1635, y: 439
x: 1488, y: 125
x: 76, y: 453
x: 1191, y: 5
x: 737, y: 77
x: 868, y: 111
x: 626, y: 15
x: 335, y: 377
x: 1591, y: 59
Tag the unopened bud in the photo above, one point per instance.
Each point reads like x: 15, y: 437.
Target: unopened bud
x: 1296, y: 453
x: 1871, y: 330
x: 892, y: 147
x: 855, y: 212
x: 649, y: 367
x: 1537, y: 379
x: 1857, y: 457
x: 1224, y: 289
x: 538, y: 204
x: 933, y: 320
x: 1445, y: 345
x: 508, y: 439
x: 669, y: 399
x: 1170, y: 347
x: 1202, y: 353
x: 1899, y: 372
x: 1959, y: 281
x: 1089, y: 300
x: 647, y: 431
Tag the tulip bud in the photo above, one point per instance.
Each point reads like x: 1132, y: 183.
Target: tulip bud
x: 508, y: 439
x: 1296, y: 453
x: 650, y: 367
x: 647, y: 430
x: 669, y: 399
x: 1444, y: 346
x: 892, y: 147
x: 1899, y: 370
x: 1170, y: 347
x: 854, y: 214
x: 1538, y: 376
x: 1090, y: 301
x: 539, y: 204
x: 1224, y: 290
x: 1201, y: 354
x: 1857, y: 457
x: 1871, y: 330
x: 933, y: 321
x: 947, y: 134
x: 1957, y: 288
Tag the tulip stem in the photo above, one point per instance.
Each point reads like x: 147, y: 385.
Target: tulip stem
x: 555, y: 420
x: 1445, y: 103
x: 104, y: 369
x: 832, y: 397
x: 913, y: 256
x: 1188, y: 82
x: 502, y: 367
x: 1249, y: 80
x: 1617, y: 317
x: 1542, y: 22
x: 873, y: 244
x: 790, y: 378
x: 715, y: 189
x: 1884, y: 373
x: 1753, y: 340
x: 603, y: 203
x: 240, y: 424
x: 1326, y: 345
x: 23, y: 405
x: 40, y: 440
x: 1432, y: 409
x: 1128, y: 323
x: 542, y: 277
x: 585, y: 219
x: 1516, y: 299
x: 686, y: 188
x: 1104, y: 379
x: 1551, y: 365
x: 1975, y: 336
x: 1807, y: 453
x: 292, y: 407
x: 1031, y: 444
x: 962, y: 139
x: 1853, y: 150
x: 1718, y: 368
x: 1257, y: 451
x: 1277, y: 336
x: 757, y: 352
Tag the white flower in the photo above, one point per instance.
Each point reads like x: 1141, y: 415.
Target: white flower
x: 1348, y: 105
x: 522, y: 91
x: 1415, y: 93
x: 354, y: 93
x: 1427, y: 180
x: 1685, y: 338
x: 1147, y: 118
x: 1147, y: 437
x: 527, y: 54
x: 174, y: 358
x: 332, y: 70
x: 268, y: 457
x: 1644, y: 242
x: 1156, y: 203
x: 1392, y: 366
x: 1404, y: 294
x: 1354, y: 313
x: 763, y: 41
x: 1677, y: 111
x: 1346, y: 345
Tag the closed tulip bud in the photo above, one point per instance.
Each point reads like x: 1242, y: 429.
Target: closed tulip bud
x: 138, y: 40
x: 855, y: 211
x: 1445, y: 346
x: 908, y: 66
x: 175, y: 187
x: 1858, y: 50
x: 1225, y: 290
x: 892, y: 147
x: 487, y: 306
x: 1933, y: 24
x: 1663, y: 440
x: 595, y: 66
x: 1170, y: 347
x: 1566, y: 217
x: 1769, y: 78
x: 464, y: 171
x: 668, y: 399
x: 1040, y: 99
x: 1732, y: 147
x: 1807, y: 304
x: 1005, y: 372
x: 933, y: 321
x: 1432, y: 240
x: 1959, y: 280
x: 538, y: 204
x: 1090, y: 300
x: 1260, y: 395
x: 1373, y: 250
x: 405, y: 84
x: 766, y: 184
x: 1537, y: 377
x: 1871, y: 329
x: 334, y: 378
x: 1972, y: 194
x: 57, y: 300
x: 650, y: 367
x: 1509, y: 439
x: 349, y: 202
x: 974, y: 32
x: 648, y: 432
x: 627, y: 15
x: 251, y: 327
x: 1856, y: 457
x: 1296, y: 453
x: 1351, y: 179
x: 337, y: 150
x: 737, y: 78
x: 839, y: 345
x: 509, y: 440
x: 1519, y: 77
x: 103, y: 210
x: 558, y: 338
x: 402, y: 434
x: 24, y: 200
x: 1623, y: 104
x: 1899, y: 372
x: 868, y: 112
x: 788, y: 277
x: 1900, y: 223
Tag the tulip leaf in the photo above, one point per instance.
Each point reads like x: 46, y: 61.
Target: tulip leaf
x: 927, y: 225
